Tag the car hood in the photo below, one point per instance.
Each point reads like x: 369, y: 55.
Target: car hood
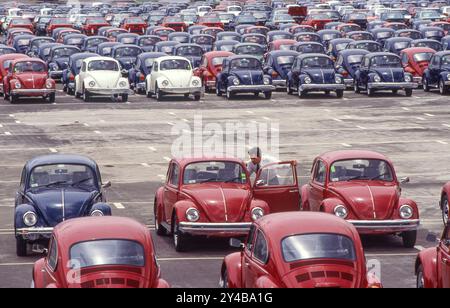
x: 221, y: 202
x: 178, y: 78
x: 322, y: 274
x: 320, y: 75
x: 32, y: 80
x: 374, y: 200
x: 106, y: 80
x: 249, y: 77
x: 50, y: 204
x: 62, y: 62
x: 390, y: 74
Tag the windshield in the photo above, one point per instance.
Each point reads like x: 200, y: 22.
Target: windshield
x: 280, y: 37
x: 96, y: 21
x: 368, y: 46
x: 20, y: 22
x: 285, y: 18
x: 128, y: 40
x: 23, y: 67
x: 214, y: 172
x: 331, y: 36
x: 434, y: 33
x: 317, y: 62
x: 63, y: 175
x: 401, y: 45
x: 189, y: 18
x: 102, y: 65
x: 361, y: 169
x: 64, y: 52
x: 433, y: 45
x: 23, y: 42
x: 423, y: 56
x: 245, y: 64
x: 354, y: 59
x: 218, y: 61
x: 385, y: 61
x: 168, y: 65
x: 187, y: 51
x: 95, y: 42
x: 446, y: 61
x: 75, y: 41
x: 148, y: 41
x: 180, y: 38
x: 107, y: 252
x: 310, y: 48
x: 203, y: 40
x: 318, y: 246
x: 429, y: 14
x: 226, y: 47
x: 341, y: 46
x: 250, y: 50
x: 285, y: 60
x: 383, y: 35
x: 127, y: 52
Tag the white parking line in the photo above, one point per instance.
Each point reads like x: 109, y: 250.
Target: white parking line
x: 441, y: 142
x: 119, y: 205
x: 167, y: 158
x: 420, y: 118
x: 1, y: 125
x: 429, y: 114
x: 97, y: 132
x: 186, y: 120
x: 18, y: 122
x: 145, y: 165
x: 86, y: 125
x: 337, y: 120
x: 360, y: 127
x: 446, y: 125
x: 406, y: 108
x: 346, y: 145
x: 170, y: 123
x: 152, y: 149
x: 419, y: 248
x: 11, y: 116
x: 172, y: 113
x: 266, y: 118
x: 53, y: 150
x: 7, y: 133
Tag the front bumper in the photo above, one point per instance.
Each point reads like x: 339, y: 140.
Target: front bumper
x: 200, y: 228
x: 349, y: 82
x: 34, y: 233
x: 56, y: 75
x: 392, y: 85
x: 418, y: 80
x: 32, y: 92
x: 140, y: 86
x: 251, y: 88
x: 106, y: 92
x: 192, y: 90
x: 279, y: 83
x: 323, y: 87
x: 385, y: 226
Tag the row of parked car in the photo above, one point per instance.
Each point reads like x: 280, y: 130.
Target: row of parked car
x: 289, y: 231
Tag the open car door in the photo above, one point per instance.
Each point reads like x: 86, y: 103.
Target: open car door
x: 277, y: 184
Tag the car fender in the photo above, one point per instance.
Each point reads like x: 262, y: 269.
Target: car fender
x: 103, y: 207
x: 261, y: 204
x: 87, y: 80
x: 233, y: 267
x: 329, y: 204
x: 148, y: 82
x: 51, y: 81
x: 264, y: 282
x: 38, y: 273
x: 426, y: 73
x: 411, y: 203
x: 445, y: 192
x: 428, y: 258
x: 20, y: 210
x: 162, y: 284
x: 443, y: 75
x: 77, y: 83
x: 123, y: 79
x: 182, y: 206
x: 304, y: 193
x: 159, y: 204
x: 160, y: 79
x: 357, y: 74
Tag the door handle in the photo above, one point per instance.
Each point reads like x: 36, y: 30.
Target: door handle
x: 293, y: 191
x: 444, y: 260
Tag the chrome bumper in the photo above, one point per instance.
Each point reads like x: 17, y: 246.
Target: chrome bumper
x: 279, y: 83
x: 196, y: 90
x: 140, y: 86
x: 211, y: 84
x: 99, y: 91
x: 392, y: 85
x: 251, y: 88
x: 201, y: 228
x: 322, y: 87
x: 349, y: 82
x: 34, y: 233
x: 418, y: 80
x: 33, y: 92
x: 385, y: 226
x: 447, y: 83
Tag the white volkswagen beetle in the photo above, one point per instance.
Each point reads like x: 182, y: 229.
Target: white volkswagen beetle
x: 173, y: 75
x: 101, y: 76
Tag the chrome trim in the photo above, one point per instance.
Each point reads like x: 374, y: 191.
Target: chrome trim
x: 252, y: 88
x: 204, y: 227
x: 102, y: 91
x: 386, y: 225
x: 36, y: 92
x: 392, y: 85
x: 279, y: 83
x: 187, y: 90
x: 34, y: 230
x: 322, y: 87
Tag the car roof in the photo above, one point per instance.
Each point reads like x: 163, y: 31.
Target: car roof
x: 186, y: 161
x: 382, y: 53
x: 348, y: 52
x: 333, y: 156
x: 280, y: 53
x: 60, y: 159
x: 310, y: 55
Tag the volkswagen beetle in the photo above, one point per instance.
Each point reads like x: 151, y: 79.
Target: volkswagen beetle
x: 438, y: 73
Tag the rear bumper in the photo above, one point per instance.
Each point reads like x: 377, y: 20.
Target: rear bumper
x: 106, y: 92
x: 348, y: 82
x: 32, y: 92
x: 34, y: 234
x: 197, y: 90
x: 385, y: 226
x: 418, y: 80
x: 279, y: 83
x: 218, y: 229
x: 392, y: 85
x: 322, y: 87
x: 140, y: 86
x: 251, y: 88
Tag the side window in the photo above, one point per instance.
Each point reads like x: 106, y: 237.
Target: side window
x: 155, y: 66
x: 250, y: 238
x: 83, y: 67
x: 22, y: 180
x: 320, y: 173
x: 405, y: 60
x: 175, y: 175
x: 204, y: 62
x: 435, y: 61
x: 53, y: 255
x: 260, y: 252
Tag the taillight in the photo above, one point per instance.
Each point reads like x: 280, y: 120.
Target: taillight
x: 71, y: 77
x: 142, y: 77
x: 274, y: 74
x: 345, y: 73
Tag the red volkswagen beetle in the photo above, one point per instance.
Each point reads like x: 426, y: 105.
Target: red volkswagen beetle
x: 28, y: 78
x: 210, y: 67
x: 99, y: 252
x: 415, y: 60
x: 5, y: 60
x: 362, y: 187
x: 299, y: 250
x: 443, y: 204
x: 215, y: 197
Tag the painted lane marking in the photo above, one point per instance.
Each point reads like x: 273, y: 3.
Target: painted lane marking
x: 446, y: 125
x: 152, y: 149
x: 338, y: 120
x: 419, y: 248
x: 406, y: 108
x: 97, y: 132
x: 53, y: 150
x: 167, y: 158
x: 8, y: 134
x: 119, y: 205
x: 346, y: 145
x: 170, y: 123
x: 361, y: 127
x: 420, y: 118
x: 441, y: 142
x: 429, y: 114
x: 145, y: 165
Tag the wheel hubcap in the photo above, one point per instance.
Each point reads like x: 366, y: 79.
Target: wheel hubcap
x: 445, y: 210
x: 420, y: 280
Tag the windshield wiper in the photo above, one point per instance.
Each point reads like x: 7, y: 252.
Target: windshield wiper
x: 359, y: 177
x: 51, y: 184
x: 232, y: 180
x: 80, y: 182
x: 379, y: 176
x: 209, y: 180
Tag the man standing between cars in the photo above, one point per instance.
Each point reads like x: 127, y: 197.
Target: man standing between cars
x: 257, y: 161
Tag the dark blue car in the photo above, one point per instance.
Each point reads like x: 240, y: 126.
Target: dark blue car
x: 142, y: 69
x: 370, y: 46
x: 225, y: 45
x: 438, y: 73
x: 74, y: 40
x: 314, y: 73
x: 104, y: 49
x: 58, y: 59
x: 382, y: 34
x: 413, y: 34
x: 433, y: 44
x: 126, y: 55
x: 243, y: 74
x: 204, y: 40
x: 127, y: 38
x: 36, y: 42
x: 397, y: 44
x: 91, y: 43
x: 72, y: 70
x: 278, y: 65
x: 383, y: 71
x: 55, y: 188
x: 21, y: 43
x: 166, y: 47
x: 148, y: 42
x: 192, y: 52
x: 432, y: 33
x: 446, y: 43
x: 348, y: 62
x: 228, y: 36
x: 180, y: 37
x: 337, y: 45
x: 308, y: 47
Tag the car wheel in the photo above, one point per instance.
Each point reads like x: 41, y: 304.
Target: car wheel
x: 51, y: 98
x: 408, y: 92
x: 327, y: 92
x: 394, y: 91
x: 13, y: 99
x: 65, y: 88
x: 356, y: 88
x: 370, y: 92
x: 186, y: 96
x: 197, y: 97
x: 70, y: 91
x: 444, y: 207
x: 420, y: 280
x: 21, y: 247
x: 230, y: 95
x: 124, y: 98
x: 159, y: 95
x: 340, y: 93
x: 443, y: 89
x: 301, y: 94
x: 218, y: 91
x: 288, y: 87
x: 409, y: 239
x: 224, y: 280
x: 160, y: 230
x: 180, y: 240
x: 86, y: 96
x: 267, y: 95
x: 426, y: 86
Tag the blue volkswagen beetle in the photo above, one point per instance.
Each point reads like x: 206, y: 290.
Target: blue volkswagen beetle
x: 192, y: 52
x: 58, y: 59
x: 243, y: 74
x: 21, y: 43
x: 382, y: 34
x: 225, y: 45
x: 337, y: 45
x: 438, y: 73
x: 126, y: 55
x: 397, y: 44
x: 36, y: 42
x: 148, y: 42
x: 433, y: 44
x: 104, y: 49
x: 180, y: 37
x: 348, y: 62
x: 228, y: 36
x: 141, y: 69
x: 55, y: 188
x: 383, y: 71
x: 370, y: 46
x: 166, y: 47
x: 432, y: 33
x: 91, y: 43
x: 72, y: 70
x: 413, y: 34
x: 204, y: 40
x: 314, y: 73
x: 74, y: 40
x: 308, y: 47
x: 446, y: 43
x: 127, y: 38
x: 250, y: 49
x: 278, y: 65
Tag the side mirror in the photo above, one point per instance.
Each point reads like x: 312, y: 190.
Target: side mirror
x: 405, y: 180
x: 39, y: 249
x: 260, y: 183
x: 107, y: 185
x: 235, y: 243
x: 431, y: 238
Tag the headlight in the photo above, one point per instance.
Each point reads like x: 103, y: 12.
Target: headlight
x: 406, y: 212
x: 338, y: 79
x: 165, y: 83
x: 97, y: 213
x: 123, y: 84
x: 377, y: 78
x: 308, y: 80
x: 266, y: 81
x: 236, y: 81
x: 448, y: 76
x: 341, y: 211
x: 92, y: 84
x: 257, y: 213
x: 49, y: 85
x: 192, y: 215
x: 29, y: 219
x: 407, y: 78
x: 195, y: 83
x: 18, y: 85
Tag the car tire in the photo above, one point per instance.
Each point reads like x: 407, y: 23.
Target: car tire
x: 160, y: 230
x: 86, y: 96
x: 443, y: 89
x: 409, y: 239
x: 444, y: 209
x: 340, y: 93
x: 268, y: 95
x: 21, y: 247
x: 180, y: 240
x: 70, y: 91
x: 186, y: 96
x: 230, y: 95
x: 394, y: 91
x: 158, y: 94
x: 197, y: 97
x: 426, y: 86
x: 301, y: 94
x: 288, y: 87
x: 420, y: 281
x: 14, y: 99
x: 327, y: 92
x: 408, y: 92
x: 356, y: 88
x: 51, y: 98
x: 224, y: 279
x: 218, y: 91
x: 370, y: 92
x: 124, y: 98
